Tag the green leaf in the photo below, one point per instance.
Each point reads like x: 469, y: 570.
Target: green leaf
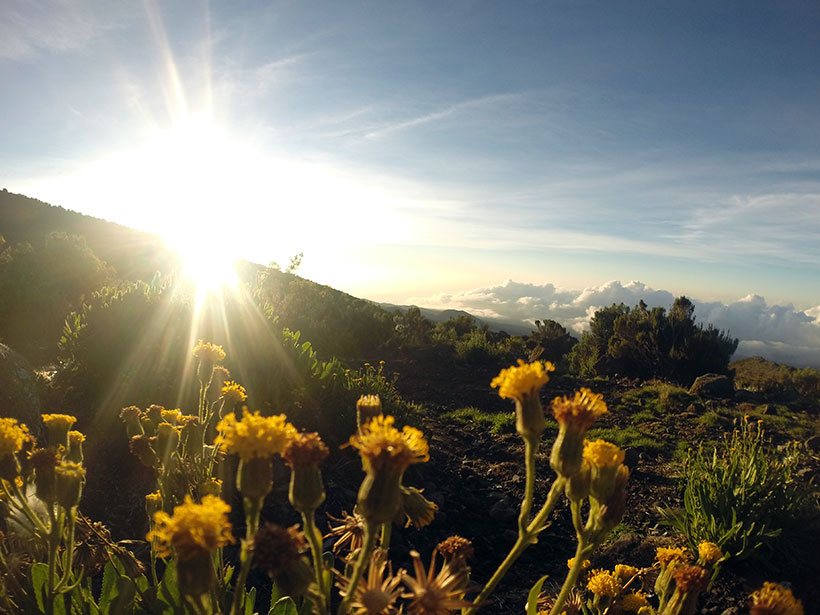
x: 39, y: 578
x: 532, y: 597
x: 109, y: 585
x: 285, y: 606
x: 275, y: 593
x: 168, y: 588
x: 250, y: 601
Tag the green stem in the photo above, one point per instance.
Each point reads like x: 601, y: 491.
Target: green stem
x: 526, y: 537
x: 252, y: 510
x: 530, y: 448
x: 315, y: 541
x: 53, y: 545
x: 387, y: 531
x: 358, y: 570
x: 69, y: 551
x: 572, y: 576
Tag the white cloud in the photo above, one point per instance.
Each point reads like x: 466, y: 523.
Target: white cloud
x: 28, y: 27
x: 778, y: 332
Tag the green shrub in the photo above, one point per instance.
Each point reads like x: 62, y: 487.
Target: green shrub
x: 746, y: 497
x: 475, y: 348
x: 496, y: 422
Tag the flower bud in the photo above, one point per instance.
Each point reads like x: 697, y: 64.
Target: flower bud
x: 380, y: 494
x: 153, y: 503
x: 577, y: 488
x: 195, y: 575
x: 574, y: 416
x: 75, y: 446
x: 605, y: 460
x: 167, y: 440
x: 567, y: 453
x: 132, y: 417
x: 69, y: 479
x: 368, y: 407
x: 141, y: 447
x: 254, y: 477
x: 417, y: 509
x: 44, y: 461
x: 57, y: 426
x: 303, y: 453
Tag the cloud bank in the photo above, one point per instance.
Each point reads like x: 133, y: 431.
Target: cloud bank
x: 778, y: 332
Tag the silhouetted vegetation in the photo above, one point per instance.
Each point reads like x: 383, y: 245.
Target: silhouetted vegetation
x: 652, y: 343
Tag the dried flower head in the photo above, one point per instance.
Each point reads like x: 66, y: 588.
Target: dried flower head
x: 579, y: 411
x: 12, y: 436
x: 305, y: 449
x: 435, y: 593
x: 380, y: 444
x: 417, y: 509
x: 524, y: 379
x: 233, y: 392
x: 349, y: 532
x: 691, y: 578
x: 603, y: 583
x: 709, y: 553
x: 254, y: 435
x: 775, y: 599
x: 376, y: 593
x: 193, y: 530
x: 130, y: 413
x: 209, y: 352
x: 276, y: 547
x: 455, y: 547
x: 367, y: 407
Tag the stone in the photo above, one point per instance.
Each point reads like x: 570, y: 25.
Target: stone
x: 18, y: 389
x: 716, y: 386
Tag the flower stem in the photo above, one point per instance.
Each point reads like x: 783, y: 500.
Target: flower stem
x: 358, y: 570
x: 387, y: 530
x: 526, y: 537
x: 315, y: 542
x: 530, y: 448
x: 572, y: 576
x: 252, y: 510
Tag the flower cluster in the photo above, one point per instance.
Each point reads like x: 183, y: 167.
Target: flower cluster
x: 381, y: 444
x: 193, y: 529
x: 775, y: 599
x: 254, y: 435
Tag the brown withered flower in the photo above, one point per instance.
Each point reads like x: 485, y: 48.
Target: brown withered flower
x: 434, y: 592
x: 376, y: 593
x: 349, y: 532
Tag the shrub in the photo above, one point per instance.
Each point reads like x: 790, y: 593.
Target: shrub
x: 746, y: 497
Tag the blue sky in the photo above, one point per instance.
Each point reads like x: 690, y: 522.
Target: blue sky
x: 412, y: 149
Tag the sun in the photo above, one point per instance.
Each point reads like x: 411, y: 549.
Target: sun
x: 202, y: 264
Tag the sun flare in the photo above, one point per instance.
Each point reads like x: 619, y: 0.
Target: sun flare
x: 208, y: 268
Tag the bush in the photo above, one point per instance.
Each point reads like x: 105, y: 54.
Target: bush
x: 746, y: 497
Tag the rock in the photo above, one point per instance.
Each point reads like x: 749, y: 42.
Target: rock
x: 18, y: 389
x: 715, y: 386
x: 502, y: 511
x: 631, y: 458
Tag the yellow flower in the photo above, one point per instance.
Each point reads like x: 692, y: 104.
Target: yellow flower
x: 633, y: 602
x: 667, y: 555
x: 209, y: 352
x: 584, y: 564
x: 603, y: 583
x: 580, y: 411
x: 57, y: 426
x: 709, y: 552
x: 774, y: 599
x: 69, y: 477
x: 233, y: 392
x: 624, y: 572
x: 380, y: 444
x: 691, y: 578
x: 12, y: 436
x: 305, y: 449
x: 254, y: 435
x: 173, y: 416
x: 76, y: 437
x: 603, y: 454
x: 193, y: 530
x: 153, y: 503
x: 525, y: 379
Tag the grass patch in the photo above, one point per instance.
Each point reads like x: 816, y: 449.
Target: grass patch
x: 712, y: 419
x: 629, y: 437
x: 656, y: 398
x: 497, y: 422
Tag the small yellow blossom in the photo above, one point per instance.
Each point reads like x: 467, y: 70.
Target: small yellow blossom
x: 667, y: 555
x: 775, y: 599
x: 57, y: 426
x: 709, y: 552
x: 584, y: 564
x: 76, y: 437
x: 603, y: 583
x: 624, y: 572
x: 233, y: 392
x: 579, y: 411
x: 522, y: 380
x: 603, y: 454
x: 173, y: 416
x: 254, y: 435
x: 193, y: 530
x: 209, y: 352
x: 12, y: 436
x: 633, y: 602
x: 380, y: 443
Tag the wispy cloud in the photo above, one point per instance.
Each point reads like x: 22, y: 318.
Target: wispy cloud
x: 31, y: 27
x: 434, y: 116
